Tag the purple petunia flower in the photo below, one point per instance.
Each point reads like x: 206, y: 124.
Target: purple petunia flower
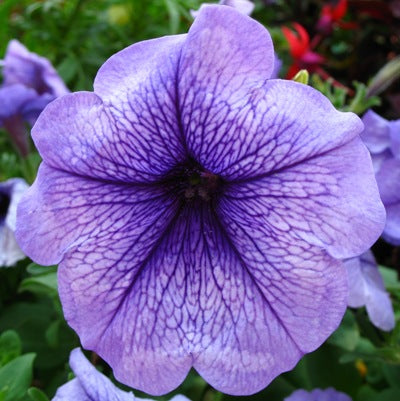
x: 366, y: 288
x: 245, y: 7
x: 382, y: 138
x: 198, y: 209
x: 329, y: 394
x: 10, y: 194
x: 30, y: 83
x: 91, y: 385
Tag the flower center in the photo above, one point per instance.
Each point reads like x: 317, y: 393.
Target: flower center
x: 4, y: 204
x: 192, y: 182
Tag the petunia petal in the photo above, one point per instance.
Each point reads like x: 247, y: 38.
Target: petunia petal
x: 53, y: 222
x: 89, y: 384
x: 139, y: 87
x: 357, y: 296
x: 225, y: 55
x: 13, y: 99
x: 376, y: 133
x: 31, y: 70
x: 76, y: 133
x: 10, y: 252
x: 71, y: 391
x: 264, y: 129
x: 194, y: 300
x: 388, y: 179
x: 330, y: 201
x: 245, y: 7
x: 366, y: 288
x: 329, y: 394
x: 394, y: 127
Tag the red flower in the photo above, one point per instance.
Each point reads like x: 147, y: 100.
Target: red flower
x: 300, y: 50
x: 332, y: 15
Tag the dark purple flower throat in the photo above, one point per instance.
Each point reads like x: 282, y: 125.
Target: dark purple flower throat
x: 191, y: 182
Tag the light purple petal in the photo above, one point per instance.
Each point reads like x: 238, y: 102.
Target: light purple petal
x: 138, y: 86
x: 277, y: 67
x: 76, y: 133
x: 31, y: 70
x: 179, y: 397
x: 13, y: 99
x: 57, y: 222
x: 265, y: 128
x: 366, y: 288
x: 379, y: 306
x: 32, y: 109
x: 376, y: 134
x: 245, y: 7
x: 192, y: 299
x: 329, y: 394
x: 379, y: 158
x: 388, y: 179
x: 71, y: 391
x: 224, y: 55
x: 305, y: 169
x: 89, y: 384
x: 357, y: 290
x: 394, y: 128
x: 10, y: 252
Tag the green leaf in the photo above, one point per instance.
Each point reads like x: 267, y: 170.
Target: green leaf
x: 37, y: 395
x: 45, y: 284
x: 366, y: 393
x: 16, y: 377
x: 392, y: 374
x: 347, y: 335
x: 10, y: 346
x: 390, y: 279
x: 68, y: 68
x: 361, y: 101
x: 388, y: 395
x: 31, y: 321
x: 174, y: 16
x: 52, y: 334
x: 36, y: 270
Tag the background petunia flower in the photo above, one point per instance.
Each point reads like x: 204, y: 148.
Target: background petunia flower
x: 198, y: 209
x: 382, y: 138
x: 29, y: 83
x: 243, y: 6
x: 91, y: 385
x: 366, y: 288
x: 10, y: 194
x: 329, y: 394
